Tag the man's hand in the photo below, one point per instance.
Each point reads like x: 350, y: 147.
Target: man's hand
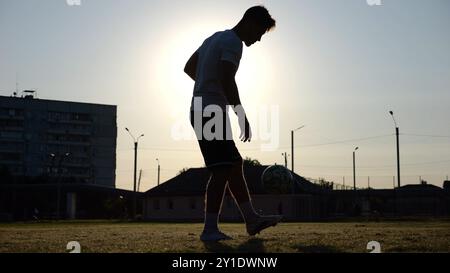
x: 246, y: 130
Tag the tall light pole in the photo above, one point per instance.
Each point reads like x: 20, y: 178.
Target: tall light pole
x: 292, y: 146
x: 135, y: 170
x: 398, y: 148
x: 158, y: 170
x: 354, y: 169
x: 58, y: 196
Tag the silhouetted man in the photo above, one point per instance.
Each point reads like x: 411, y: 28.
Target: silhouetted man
x: 213, y: 68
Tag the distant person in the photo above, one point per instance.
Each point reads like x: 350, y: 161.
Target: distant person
x: 36, y: 214
x: 213, y: 68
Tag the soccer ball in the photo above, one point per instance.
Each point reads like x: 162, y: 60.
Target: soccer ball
x: 276, y: 179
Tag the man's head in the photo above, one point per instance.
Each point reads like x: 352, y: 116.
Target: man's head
x: 255, y: 22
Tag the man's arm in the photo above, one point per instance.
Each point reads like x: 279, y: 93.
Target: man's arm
x: 191, y: 66
x: 227, y: 74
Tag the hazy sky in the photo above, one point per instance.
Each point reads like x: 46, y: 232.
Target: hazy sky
x: 336, y: 66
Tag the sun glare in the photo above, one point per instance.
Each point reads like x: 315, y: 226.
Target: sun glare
x: 254, y: 77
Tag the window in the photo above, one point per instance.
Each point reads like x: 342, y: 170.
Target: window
x: 11, y: 156
x: 170, y: 204
x: 10, y: 135
x: 156, y: 204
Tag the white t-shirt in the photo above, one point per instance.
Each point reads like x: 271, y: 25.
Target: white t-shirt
x: 221, y: 46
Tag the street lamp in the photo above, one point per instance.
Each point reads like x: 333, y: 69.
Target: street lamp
x: 135, y: 169
x: 158, y: 170
x: 398, y: 148
x: 58, y: 198
x: 292, y: 146
x: 52, y: 163
x: 354, y: 171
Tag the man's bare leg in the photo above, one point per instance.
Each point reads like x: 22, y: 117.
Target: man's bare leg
x: 255, y: 223
x: 216, y: 188
x: 239, y: 189
x: 213, y: 202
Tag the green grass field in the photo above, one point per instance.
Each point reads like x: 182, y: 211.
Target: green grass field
x: 104, y: 236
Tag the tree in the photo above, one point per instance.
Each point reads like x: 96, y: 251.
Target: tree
x: 182, y: 171
x: 325, y: 184
x: 248, y: 161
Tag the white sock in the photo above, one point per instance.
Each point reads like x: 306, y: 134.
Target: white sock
x: 211, y: 221
x: 248, y: 212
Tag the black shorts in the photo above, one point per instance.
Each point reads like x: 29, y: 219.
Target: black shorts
x: 219, y: 151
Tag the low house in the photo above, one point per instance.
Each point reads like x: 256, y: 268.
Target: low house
x: 23, y: 202
x: 412, y: 200
x: 182, y: 198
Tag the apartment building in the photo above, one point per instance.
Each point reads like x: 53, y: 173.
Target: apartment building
x: 72, y: 142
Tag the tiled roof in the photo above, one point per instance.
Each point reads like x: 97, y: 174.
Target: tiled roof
x: 194, y: 180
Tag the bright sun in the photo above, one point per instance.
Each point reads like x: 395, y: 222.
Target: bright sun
x: 253, y: 78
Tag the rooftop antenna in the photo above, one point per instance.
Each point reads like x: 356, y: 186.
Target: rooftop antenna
x: 17, y: 84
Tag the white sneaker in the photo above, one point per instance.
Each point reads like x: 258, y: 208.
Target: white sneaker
x: 208, y: 236
x: 262, y: 222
